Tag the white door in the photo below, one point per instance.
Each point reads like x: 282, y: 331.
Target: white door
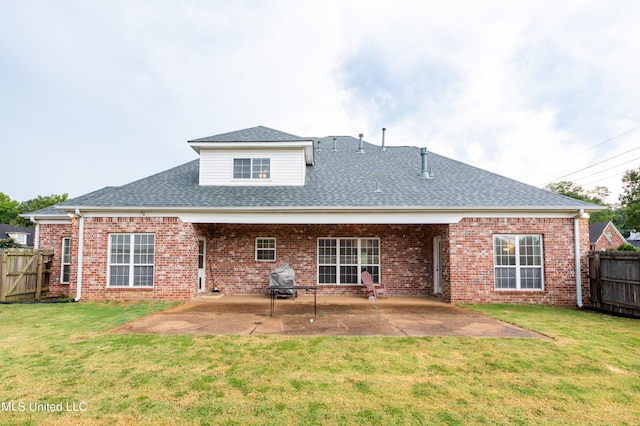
x: 202, y: 250
x: 437, y: 270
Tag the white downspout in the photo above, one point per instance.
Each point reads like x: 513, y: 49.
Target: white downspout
x: 576, y: 238
x: 80, y: 252
x: 36, y: 236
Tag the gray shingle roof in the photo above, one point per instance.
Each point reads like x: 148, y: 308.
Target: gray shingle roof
x: 340, y: 179
x: 253, y: 134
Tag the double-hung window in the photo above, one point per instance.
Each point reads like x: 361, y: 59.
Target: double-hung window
x: 342, y: 260
x: 251, y: 168
x: 66, y: 260
x: 131, y: 260
x: 518, y: 262
x: 266, y: 249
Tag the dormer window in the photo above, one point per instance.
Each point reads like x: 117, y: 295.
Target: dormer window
x: 251, y: 168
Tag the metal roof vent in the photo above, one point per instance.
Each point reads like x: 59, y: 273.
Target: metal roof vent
x: 425, y: 172
x: 360, y: 145
x: 384, y: 129
x: 319, y: 148
x: 335, y: 148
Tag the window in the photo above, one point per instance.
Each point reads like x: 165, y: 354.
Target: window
x: 266, y: 249
x: 131, y: 260
x: 252, y: 168
x: 518, y: 262
x: 18, y: 237
x: 66, y: 260
x: 341, y: 260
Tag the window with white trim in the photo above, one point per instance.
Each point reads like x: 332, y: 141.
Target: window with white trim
x: 66, y: 260
x: 266, y: 249
x: 251, y: 168
x: 131, y: 260
x: 342, y: 260
x: 18, y: 237
x: 518, y: 262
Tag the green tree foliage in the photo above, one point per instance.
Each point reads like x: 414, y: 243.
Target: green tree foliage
x: 10, y: 209
x: 630, y: 198
x: 598, y: 195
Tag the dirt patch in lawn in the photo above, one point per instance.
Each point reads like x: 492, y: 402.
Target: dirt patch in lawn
x: 336, y: 316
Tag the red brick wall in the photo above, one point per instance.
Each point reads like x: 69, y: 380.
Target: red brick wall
x: 175, y: 272
x: 51, y: 239
x: 472, y: 264
x: 406, y: 256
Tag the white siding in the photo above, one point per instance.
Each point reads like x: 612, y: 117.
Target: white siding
x: 287, y: 166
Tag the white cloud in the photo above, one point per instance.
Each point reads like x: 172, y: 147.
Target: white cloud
x: 112, y: 91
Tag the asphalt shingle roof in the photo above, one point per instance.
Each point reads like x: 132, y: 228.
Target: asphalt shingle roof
x: 253, y: 134
x: 344, y: 178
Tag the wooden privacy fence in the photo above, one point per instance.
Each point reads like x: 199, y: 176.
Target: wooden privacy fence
x: 24, y: 274
x: 614, y: 280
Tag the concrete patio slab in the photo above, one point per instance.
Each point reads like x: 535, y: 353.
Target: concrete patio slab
x: 337, y: 316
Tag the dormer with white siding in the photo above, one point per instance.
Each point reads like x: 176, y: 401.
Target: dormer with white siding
x: 258, y: 156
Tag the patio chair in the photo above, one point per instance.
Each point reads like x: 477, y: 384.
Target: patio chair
x: 372, y: 288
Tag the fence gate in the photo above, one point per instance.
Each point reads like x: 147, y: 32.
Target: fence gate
x: 614, y: 279
x: 24, y: 274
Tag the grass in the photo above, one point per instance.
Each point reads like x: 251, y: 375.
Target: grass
x: 588, y: 372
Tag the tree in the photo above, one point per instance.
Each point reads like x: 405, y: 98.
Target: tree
x: 630, y: 198
x: 9, y: 209
x: 596, y: 195
x: 38, y: 203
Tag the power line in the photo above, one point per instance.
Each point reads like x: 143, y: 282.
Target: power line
x: 600, y: 180
x: 615, y: 137
x: 595, y: 164
x: 606, y: 170
x: 600, y: 162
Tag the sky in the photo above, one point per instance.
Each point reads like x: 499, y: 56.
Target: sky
x: 102, y: 93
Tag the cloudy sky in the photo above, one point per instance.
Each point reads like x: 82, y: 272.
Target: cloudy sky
x: 101, y: 93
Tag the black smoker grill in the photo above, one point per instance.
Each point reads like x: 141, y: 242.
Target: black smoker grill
x: 284, y: 277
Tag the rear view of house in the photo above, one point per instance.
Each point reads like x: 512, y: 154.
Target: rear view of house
x: 333, y: 207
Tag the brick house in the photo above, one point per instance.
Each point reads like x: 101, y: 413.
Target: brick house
x: 605, y: 236
x: 333, y: 207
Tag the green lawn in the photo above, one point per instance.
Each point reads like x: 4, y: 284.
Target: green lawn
x: 59, y: 356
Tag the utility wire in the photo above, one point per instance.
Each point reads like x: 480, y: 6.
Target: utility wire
x: 600, y: 180
x: 595, y: 164
x: 615, y: 137
x: 610, y: 168
x: 595, y: 146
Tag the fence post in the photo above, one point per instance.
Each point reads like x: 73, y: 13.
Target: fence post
x: 3, y: 272
x: 39, y: 277
x: 598, y: 280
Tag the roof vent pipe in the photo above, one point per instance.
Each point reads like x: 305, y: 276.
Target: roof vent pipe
x: 384, y: 129
x: 319, y: 148
x: 425, y: 171
x: 360, y: 146
x: 335, y: 148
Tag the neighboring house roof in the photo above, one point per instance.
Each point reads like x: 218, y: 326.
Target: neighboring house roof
x: 634, y: 239
x: 597, y: 230
x: 341, y: 179
x: 5, y: 230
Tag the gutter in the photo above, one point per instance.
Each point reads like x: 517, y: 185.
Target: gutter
x: 80, y: 254
x: 576, y: 238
